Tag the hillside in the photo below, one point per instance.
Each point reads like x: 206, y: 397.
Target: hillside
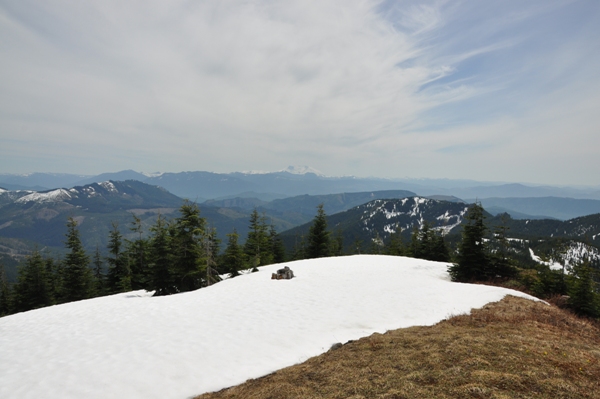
x: 380, y: 218
x: 136, y: 346
x: 514, y: 348
x: 41, y: 216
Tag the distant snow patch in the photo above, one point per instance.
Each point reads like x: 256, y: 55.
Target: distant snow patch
x: 51, y: 196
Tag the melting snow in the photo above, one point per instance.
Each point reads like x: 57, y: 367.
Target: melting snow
x: 135, y: 346
x: 107, y: 185
x: 50, y: 196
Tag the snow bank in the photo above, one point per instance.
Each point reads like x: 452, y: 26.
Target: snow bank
x: 135, y: 346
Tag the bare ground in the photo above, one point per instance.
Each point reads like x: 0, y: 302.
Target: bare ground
x: 514, y: 348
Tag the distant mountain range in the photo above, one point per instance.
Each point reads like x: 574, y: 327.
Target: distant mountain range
x: 29, y: 218
x: 249, y: 189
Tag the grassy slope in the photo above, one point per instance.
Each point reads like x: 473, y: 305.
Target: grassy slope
x: 514, y: 348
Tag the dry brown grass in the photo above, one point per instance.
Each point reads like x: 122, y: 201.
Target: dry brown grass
x: 514, y: 348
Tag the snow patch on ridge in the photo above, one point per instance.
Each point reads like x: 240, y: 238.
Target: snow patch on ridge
x: 51, y: 196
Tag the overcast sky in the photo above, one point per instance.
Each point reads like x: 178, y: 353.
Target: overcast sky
x: 489, y: 90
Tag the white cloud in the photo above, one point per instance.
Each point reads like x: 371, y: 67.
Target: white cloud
x: 234, y: 85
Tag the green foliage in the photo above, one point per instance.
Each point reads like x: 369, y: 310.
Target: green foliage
x: 32, y: 290
x: 318, y: 236
x: 427, y: 244
x: 472, y: 259
x: 119, y: 273
x: 187, y: 234
x: 161, y: 276
x: 98, y: 270
x: 137, y: 256
x: 258, y: 246
x: 549, y: 282
x: 583, y: 293
x: 395, y: 245
x: 277, y: 247
x: 5, y: 293
x: 77, y: 276
x: 233, y: 260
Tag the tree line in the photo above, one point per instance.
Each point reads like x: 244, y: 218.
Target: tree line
x: 184, y: 254
x: 178, y: 255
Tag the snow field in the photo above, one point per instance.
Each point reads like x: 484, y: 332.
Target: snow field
x: 135, y: 346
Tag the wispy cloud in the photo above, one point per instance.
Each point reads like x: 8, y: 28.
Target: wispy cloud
x: 342, y: 85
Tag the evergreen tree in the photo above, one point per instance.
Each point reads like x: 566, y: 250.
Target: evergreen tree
x: 32, y: 290
x: 189, y: 257
x: 318, y: 236
x: 233, y: 257
x: 583, y: 296
x: 211, y: 250
x: 336, y: 243
x: 395, y: 245
x: 277, y: 248
x: 137, y: 255
x: 299, y: 250
x: 439, y: 249
x: 258, y: 244
x: 472, y: 259
x: 78, y: 280
x: 119, y: 273
x: 99, y: 278
x: 5, y: 293
x: 54, y: 273
x: 161, y: 279
x: 500, y: 263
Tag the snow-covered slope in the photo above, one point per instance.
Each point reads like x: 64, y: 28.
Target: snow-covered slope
x: 136, y: 346
x: 409, y: 212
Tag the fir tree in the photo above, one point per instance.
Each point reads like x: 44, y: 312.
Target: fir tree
x: 189, y: 231
x: 258, y: 244
x: 318, y: 236
x: 583, y: 295
x: 5, y: 293
x: 78, y: 280
x: 137, y: 254
x: 161, y: 274
x: 32, y: 290
x: 233, y: 257
x: 277, y: 248
x: 472, y: 259
x: 395, y: 245
x: 337, y: 244
x: 211, y: 243
x: 99, y: 278
x: 119, y: 273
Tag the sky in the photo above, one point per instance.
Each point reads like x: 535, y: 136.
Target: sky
x: 486, y: 90
x: 136, y: 346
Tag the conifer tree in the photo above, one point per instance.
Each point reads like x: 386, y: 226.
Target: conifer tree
x: 211, y: 250
x: 78, y: 280
x: 55, y: 273
x: 233, y: 257
x: 119, y: 273
x: 32, y: 290
x: 137, y: 255
x: 5, y: 293
x: 318, y: 236
x: 161, y: 279
x: 395, y: 245
x: 258, y: 244
x: 99, y: 278
x: 472, y: 259
x: 583, y: 296
x: 189, y: 231
x: 337, y: 244
x: 277, y: 248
